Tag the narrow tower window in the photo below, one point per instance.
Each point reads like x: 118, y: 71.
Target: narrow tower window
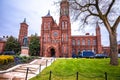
x: 88, y: 42
x: 78, y: 42
x: 94, y: 42
x: 63, y: 25
x: 83, y: 42
x: 62, y: 37
x: 73, y: 42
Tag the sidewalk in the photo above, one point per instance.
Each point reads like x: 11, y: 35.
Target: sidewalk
x: 19, y: 72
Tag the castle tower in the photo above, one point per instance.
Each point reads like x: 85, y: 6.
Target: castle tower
x: 98, y: 39
x: 48, y: 28
x: 65, y: 28
x: 23, y: 31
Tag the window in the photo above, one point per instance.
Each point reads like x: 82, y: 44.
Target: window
x: 44, y: 38
x: 63, y: 49
x: 44, y: 26
x: 78, y: 42
x: 62, y: 25
x: 62, y: 37
x: 88, y: 42
x: 64, y: 11
x: 66, y: 49
x: 94, y: 42
x: 66, y: 25
x: 73, y: 42
x: 66, y: 37
x: 48, y: 25
x: 83, y: 42
x: 48, y: 37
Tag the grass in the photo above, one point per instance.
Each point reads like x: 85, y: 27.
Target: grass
x: 88, y: 69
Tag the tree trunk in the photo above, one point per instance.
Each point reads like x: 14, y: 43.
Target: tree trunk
x: 113, y: 48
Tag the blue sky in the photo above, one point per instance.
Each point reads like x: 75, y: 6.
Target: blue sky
x: 13, y: 12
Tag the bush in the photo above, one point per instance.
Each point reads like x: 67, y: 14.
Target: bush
x: 5, y: 59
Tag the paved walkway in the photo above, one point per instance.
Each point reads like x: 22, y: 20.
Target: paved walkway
x: 19, y: 72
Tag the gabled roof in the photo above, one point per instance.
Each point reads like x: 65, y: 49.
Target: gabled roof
x: 3, y: 39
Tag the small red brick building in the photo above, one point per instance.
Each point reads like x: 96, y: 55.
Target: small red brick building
x: 2, y: 43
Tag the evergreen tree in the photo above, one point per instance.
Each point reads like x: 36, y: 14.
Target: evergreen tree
x: 12, y: 44
x: 34, y: 46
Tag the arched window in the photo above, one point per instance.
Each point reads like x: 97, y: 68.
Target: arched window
x: 63, y: 25
x: 78, y: 42
x: 48, y: 25
x: 94, y: 42
x: 66, y: 37
x: 62, y: 48
x: 66, y: 25
x: 73, y: 42
x: 44, y: 39
x: 44, y: 25
x: 62, y: 37
x: 83, y: 42
x: 48, y: 37
x: 67, y: 49
x: 88, y: 42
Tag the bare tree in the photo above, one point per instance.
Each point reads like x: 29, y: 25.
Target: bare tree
x: 106, y: 12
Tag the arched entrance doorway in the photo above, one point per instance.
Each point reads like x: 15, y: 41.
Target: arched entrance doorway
x: 52, y: 52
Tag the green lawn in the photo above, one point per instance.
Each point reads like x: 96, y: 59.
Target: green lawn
x: 88, y: 69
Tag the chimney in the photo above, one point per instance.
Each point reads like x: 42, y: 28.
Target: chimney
x: 87, y: 34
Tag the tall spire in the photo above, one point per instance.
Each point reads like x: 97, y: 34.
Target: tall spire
x: 48, y: 14
x: 24, y: 20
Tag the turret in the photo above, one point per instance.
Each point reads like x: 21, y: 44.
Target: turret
x: 98, y: 39
x: 65, y: 26
x: 64, y: 8
x: 23, y: 31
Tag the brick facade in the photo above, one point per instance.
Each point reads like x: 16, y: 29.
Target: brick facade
x: 2, y: 45
x: 56, y: 40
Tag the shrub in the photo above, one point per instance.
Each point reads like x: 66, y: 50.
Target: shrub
x: 5, y: 59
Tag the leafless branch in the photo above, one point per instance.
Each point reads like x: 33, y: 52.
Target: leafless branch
x: 98, y: 9
x: 116, y: 23
x: 92, y: 13
x: 85, y: 20
x: 110, y: 6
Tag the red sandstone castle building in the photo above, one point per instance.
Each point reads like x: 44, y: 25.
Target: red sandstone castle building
x: 56, y: 39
